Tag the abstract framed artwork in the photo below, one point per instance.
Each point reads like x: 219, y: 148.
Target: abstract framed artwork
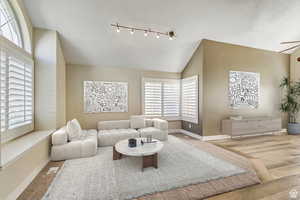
x: 243, y: 89
x: 101, y: 96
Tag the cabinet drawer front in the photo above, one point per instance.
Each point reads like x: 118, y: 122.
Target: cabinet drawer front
x: 255, y: 126
x: 244, y: 126
x: 270, y: 125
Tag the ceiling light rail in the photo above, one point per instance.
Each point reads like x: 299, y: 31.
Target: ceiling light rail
x: 171, y: 34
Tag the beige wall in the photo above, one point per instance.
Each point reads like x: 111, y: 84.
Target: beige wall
x: 219, y: 59
x: 195, y: 67
x: 76, y: 74
x: 60, y: 87
x: 50, y: 67
x: 45, y: 76
x: 15, y: 177
x: 212, y: 61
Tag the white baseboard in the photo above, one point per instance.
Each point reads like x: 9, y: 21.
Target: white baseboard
x: 193, y: 135
x: 185, y: 132
x: 18, y: 191
x: 215, y: 137
x: 174, y: 131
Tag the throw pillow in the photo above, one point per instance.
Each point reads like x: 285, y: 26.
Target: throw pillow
x: 73, y: 130
x: 137, y: 121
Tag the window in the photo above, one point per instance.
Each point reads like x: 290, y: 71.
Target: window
x: 161, y: 98
x: 16, y: 78
x: 189, y: 102
x: 9, y: 27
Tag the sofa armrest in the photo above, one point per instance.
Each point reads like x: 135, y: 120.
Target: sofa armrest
x: 60, y: 137
x: 160, y: 124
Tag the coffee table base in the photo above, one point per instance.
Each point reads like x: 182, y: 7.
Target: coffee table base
x: 148, y: 161
x: 116, y: 155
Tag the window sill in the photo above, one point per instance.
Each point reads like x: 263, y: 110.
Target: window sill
x: 13, y: 150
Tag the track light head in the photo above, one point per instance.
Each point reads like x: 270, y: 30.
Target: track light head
x: 171, y: 35
x: 118, y: 28
x: 157, y: 35
x: 132, y: 31
x: 146, y: 33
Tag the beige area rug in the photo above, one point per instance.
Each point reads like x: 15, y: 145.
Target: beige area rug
x: 180, y: 165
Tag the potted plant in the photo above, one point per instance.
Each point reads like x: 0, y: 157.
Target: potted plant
x: 290, y: 104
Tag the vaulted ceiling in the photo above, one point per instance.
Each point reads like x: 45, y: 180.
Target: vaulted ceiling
x: 88, y: 39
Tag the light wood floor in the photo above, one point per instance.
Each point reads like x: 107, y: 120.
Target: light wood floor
x: 275, y: 158
x: 280, y: 154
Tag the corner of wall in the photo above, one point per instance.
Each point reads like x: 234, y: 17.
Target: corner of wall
x: 50, y: 80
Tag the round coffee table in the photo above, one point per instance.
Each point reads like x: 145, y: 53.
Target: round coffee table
x: 148, y: 151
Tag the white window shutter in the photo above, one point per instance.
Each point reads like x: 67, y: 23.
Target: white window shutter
x: 189, y: 102
x: 162, y: 98
x: 3, y: 90
x: 152, y: 98
x: 16, y: 86
x: 19, y: 93
x: 171, y: 99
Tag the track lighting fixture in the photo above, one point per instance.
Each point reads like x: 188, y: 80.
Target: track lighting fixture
x: 171, y: 34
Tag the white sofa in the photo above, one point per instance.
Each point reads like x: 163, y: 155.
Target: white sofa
x: 62, y: 149
x: 110, y: 132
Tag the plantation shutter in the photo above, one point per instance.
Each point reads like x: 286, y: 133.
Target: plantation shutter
x: 189, y: 102
x: 171, y: 98
x: 153, y: 98
x: 19, y: 92
x: 3, y: 89
x: 162, y: 98
x: 16, y: 88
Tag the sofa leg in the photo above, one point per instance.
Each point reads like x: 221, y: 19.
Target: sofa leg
x: 116, y: 155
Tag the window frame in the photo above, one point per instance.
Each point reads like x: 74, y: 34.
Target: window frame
x: 169, y: 118
x: 12, y: 13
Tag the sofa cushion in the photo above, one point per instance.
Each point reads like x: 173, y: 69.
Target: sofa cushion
x: 149, y: 122
x: 148, y: 130
x: 111, y: 137
x: 154, y: 132
x: 60, y: 136
x: 73, y: 130
x: 117, y: 124
x: 137, y: 121
x: 160, y: 124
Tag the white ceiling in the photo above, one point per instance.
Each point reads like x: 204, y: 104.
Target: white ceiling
x: 87, y: 38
